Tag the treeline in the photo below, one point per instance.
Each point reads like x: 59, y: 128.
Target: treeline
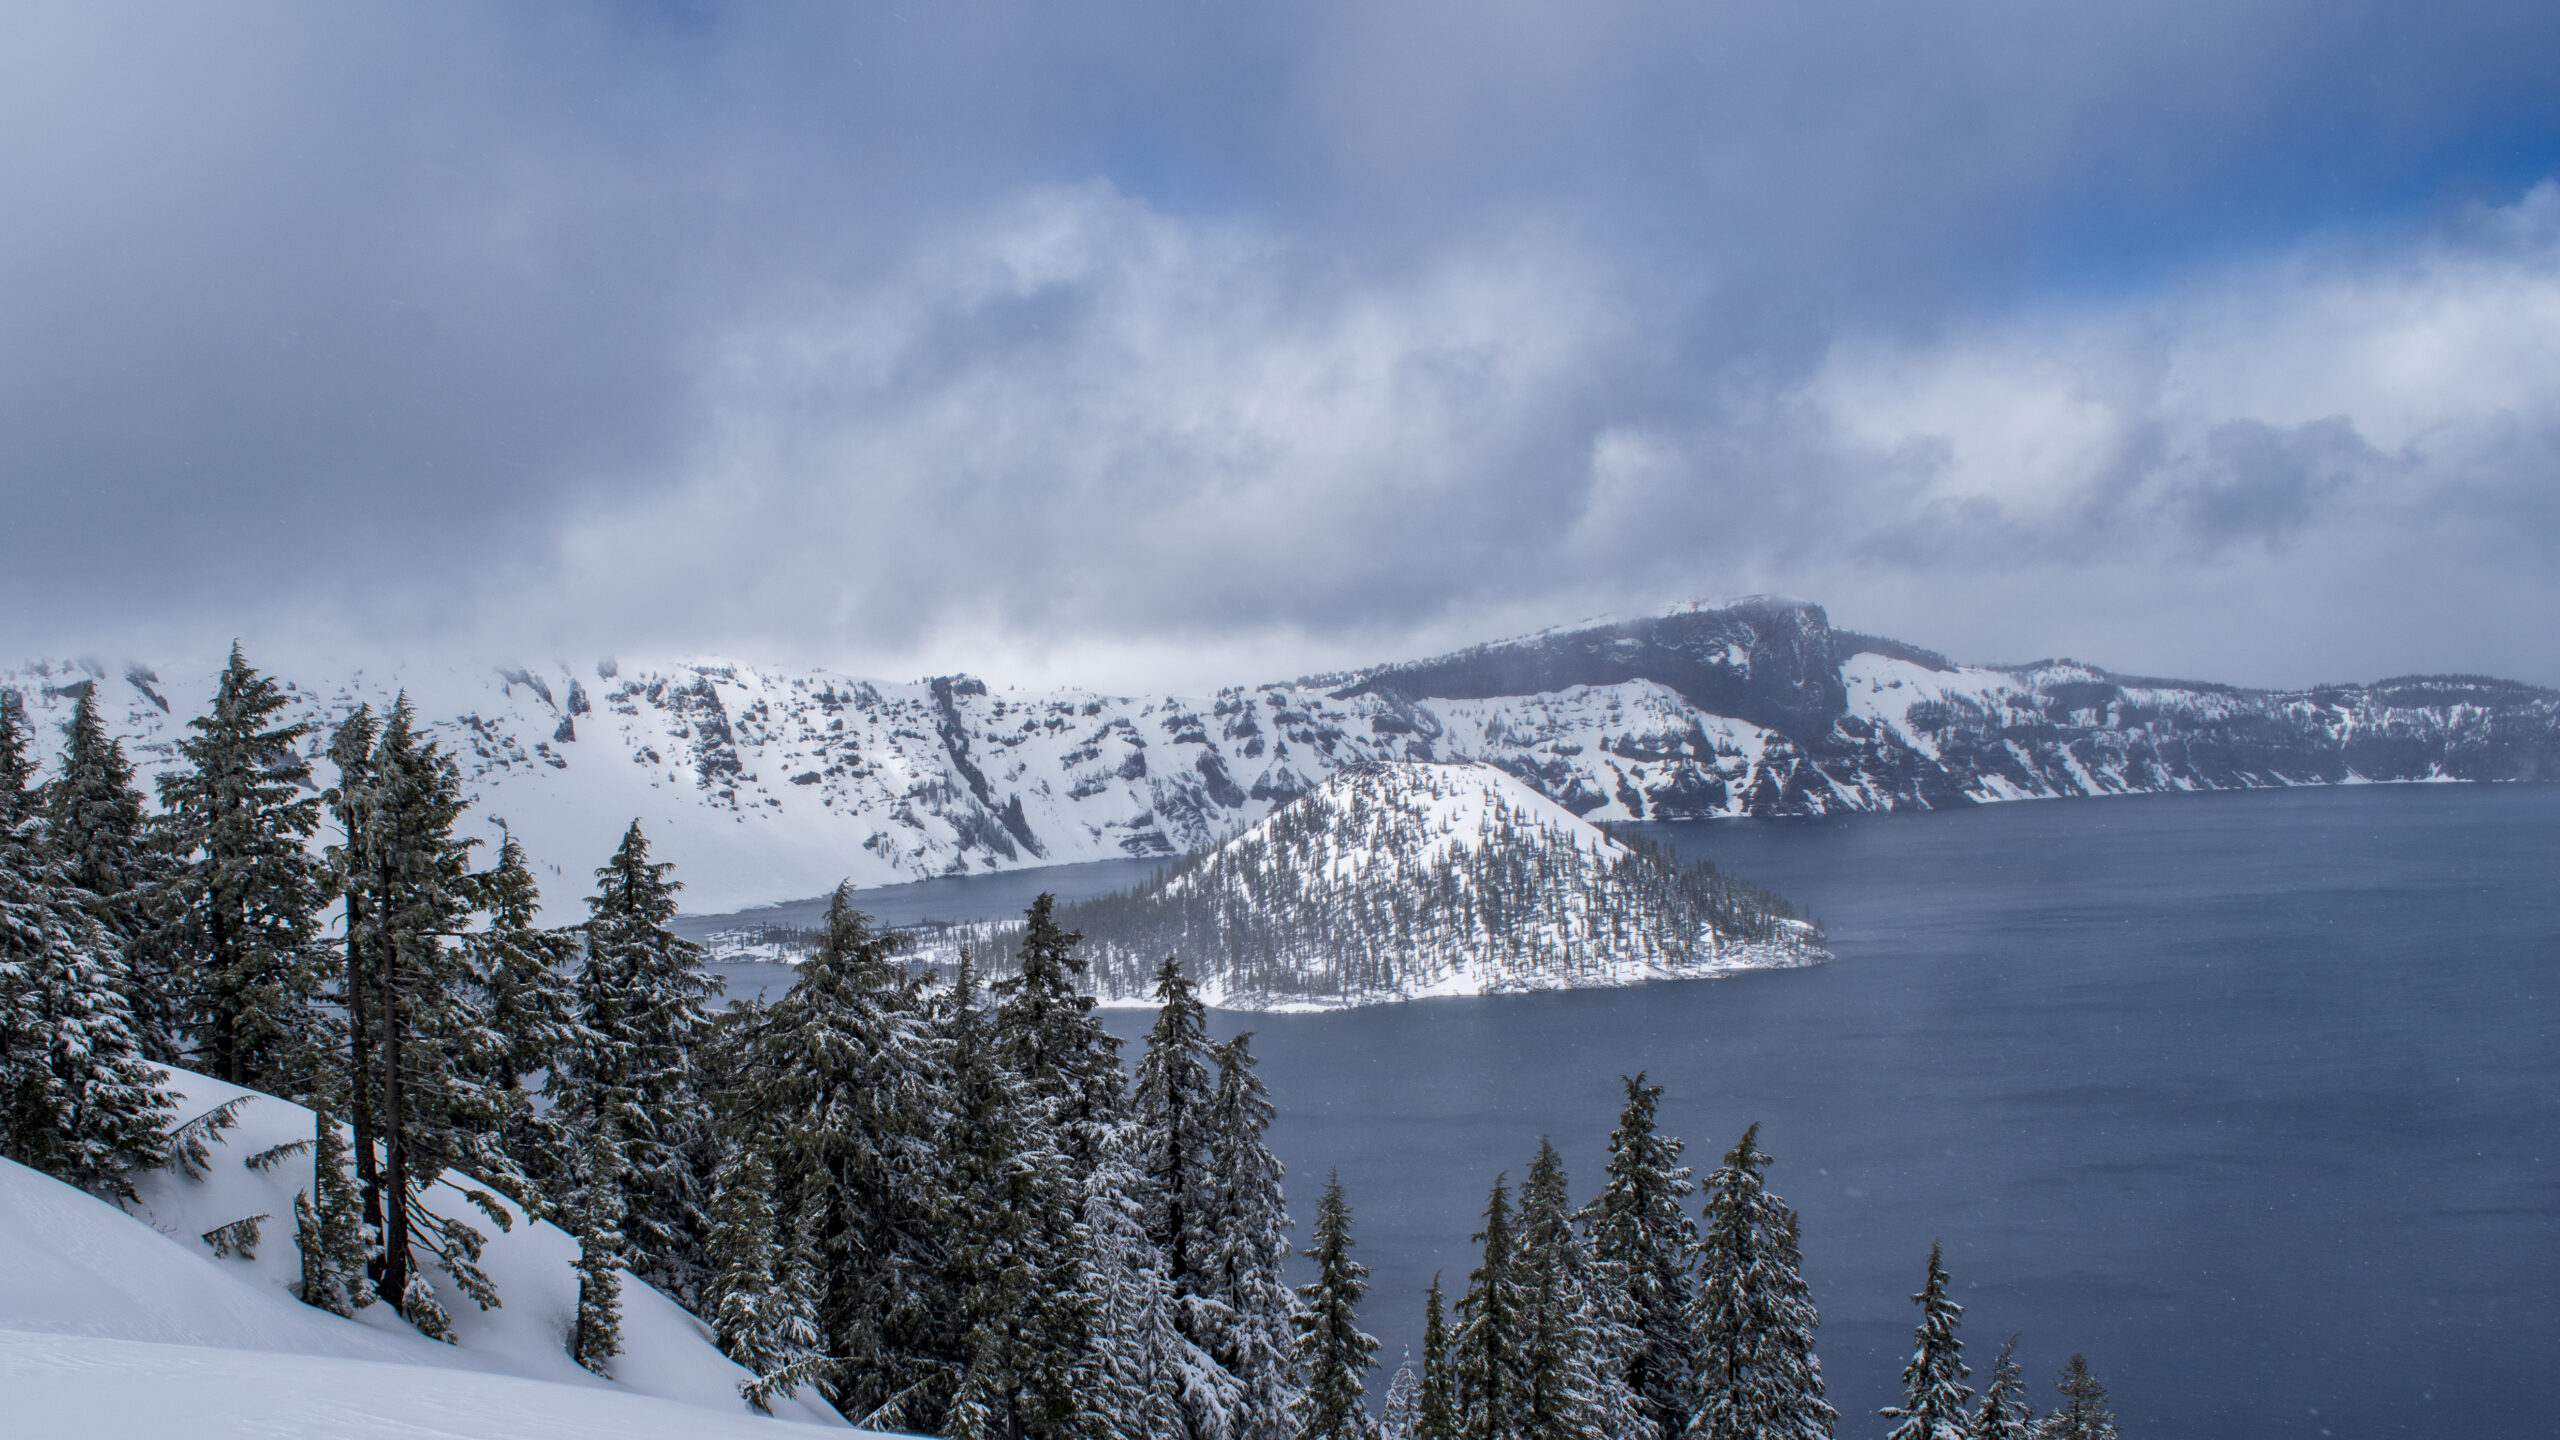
x: 1627, y: 1317
x: 1371, y: 887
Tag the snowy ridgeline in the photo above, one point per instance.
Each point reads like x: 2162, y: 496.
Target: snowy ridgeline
x: 1401, y: 881
x: 765, y: 784
x: 117, y: 1325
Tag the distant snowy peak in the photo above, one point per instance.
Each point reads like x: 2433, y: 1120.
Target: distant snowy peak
x: 1406, y: 880
x: 765, y: 784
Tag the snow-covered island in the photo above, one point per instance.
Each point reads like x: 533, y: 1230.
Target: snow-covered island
x: 1399, y: 881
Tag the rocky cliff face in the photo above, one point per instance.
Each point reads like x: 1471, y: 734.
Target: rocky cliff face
x: 764, y: 784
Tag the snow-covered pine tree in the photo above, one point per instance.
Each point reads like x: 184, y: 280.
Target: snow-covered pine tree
x: 1017, y: 1323
x: 1751, y: 1321
x: 744, y: 1256
x: 80, y: 1102
x: 1485, y: 1356
x: 839, y: 1085
x: 1435, y: 1401
x: 433, y: 1115
x: 2003, y: 1414
x: 1143, y: 1380
x: 1573, y: 1346
x: 1641, y: 1232
x: 349, y: 804
x: 1793, y: 1370
x: 595, y: 1337
x: 247, y: 893
x: 97, y: 829
x: 1332, y: 1353
x: 328, y: 1226
x: 1934, y: 1392
x: 1398, y: 1409
x: 641, y: 999
x: 17, y: 771
x: 1067, y: 1065
x: 2083, y: 1414
x: 527, y: 1009
x: 1171, y: 1104
x: 1251, y: 1229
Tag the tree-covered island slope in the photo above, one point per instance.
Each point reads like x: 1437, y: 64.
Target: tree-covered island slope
x: 1404, y: 880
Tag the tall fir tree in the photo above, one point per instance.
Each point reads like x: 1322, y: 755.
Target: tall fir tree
x: 349, y: 805
x: 1435, y: 1401
x: 1251, y: 1226
x: 2083, y: 1414
x: 1640, y: 1230
x: 2003, y: 1414
x: 1017, y: 1316
x: 1573, y: 1344
x: 839, y: 1086
x: 595, y: 1335
x: 411, y: 875
x: 1933, y: 1388
x: 1172, y: 1103
x: 1751, y: 1320
x: 98, y: 830
x: 642, y: 1016
x: 521, y: 976
x: 247, y: 894
x: 80, y: 1102
x: 1332, y: 1352
x: 1144, y: 1380
x: 1486, y: 1354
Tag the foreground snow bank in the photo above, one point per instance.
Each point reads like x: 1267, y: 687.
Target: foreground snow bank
x: 106, y: 1315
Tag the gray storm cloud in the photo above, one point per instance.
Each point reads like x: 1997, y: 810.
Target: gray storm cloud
x: 1201, y: 343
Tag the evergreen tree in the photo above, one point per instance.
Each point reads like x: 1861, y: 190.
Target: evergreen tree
x: 839, y: 1088
x: 527, y: 1012
x: 1640, y: 1231
x: 1485, y: 1362
x: 411, y: 875
x: 2003, y: 1414
x: 1332, y: 1353
x: 596, y: 1335
x: 1172, y: 1102
x: 1067, y: 1064
x: 745, y: 1256
x: 1017, y: 1317
x: 1751, y: 1320
x: 1435, y: 1402
x: 328, y: 1220
x: 1572, y: 1348
x: 97, y: 830
x: 247, y: 894
x: 2084, y: 1414
x: 641, y: 1013
x: 80, y: 1102
x: 1144, y: 1379
x: 1399, y: 1412
x: 1251, y: 1226
x: 1934, y: 1392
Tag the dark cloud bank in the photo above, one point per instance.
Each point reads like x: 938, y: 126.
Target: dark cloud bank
x: 1199, y: 342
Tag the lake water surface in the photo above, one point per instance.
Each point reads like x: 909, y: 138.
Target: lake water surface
x: 2254, y: 1098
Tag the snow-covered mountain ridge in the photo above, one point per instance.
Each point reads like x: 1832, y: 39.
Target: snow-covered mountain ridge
x: 764, y: 784
x: 1404, y: 880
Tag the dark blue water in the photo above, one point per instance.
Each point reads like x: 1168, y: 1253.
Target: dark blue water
x: 2253, y: 1098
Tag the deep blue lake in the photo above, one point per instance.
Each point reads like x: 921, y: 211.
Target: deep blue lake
x: 2254, y: 1098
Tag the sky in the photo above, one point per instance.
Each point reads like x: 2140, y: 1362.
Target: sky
x: 1179, y: 343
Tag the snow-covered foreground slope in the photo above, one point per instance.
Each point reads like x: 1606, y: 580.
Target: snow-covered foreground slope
x: 1406, y: 880
x: 763, y: 784
x: 116, y: 1324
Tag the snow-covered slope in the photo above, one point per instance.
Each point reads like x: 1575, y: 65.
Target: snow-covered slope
x: 115, y: 1324
x: 1402, y: 880
x: 763, y: 784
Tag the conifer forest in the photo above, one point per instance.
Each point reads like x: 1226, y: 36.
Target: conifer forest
x: 939, y: 1199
